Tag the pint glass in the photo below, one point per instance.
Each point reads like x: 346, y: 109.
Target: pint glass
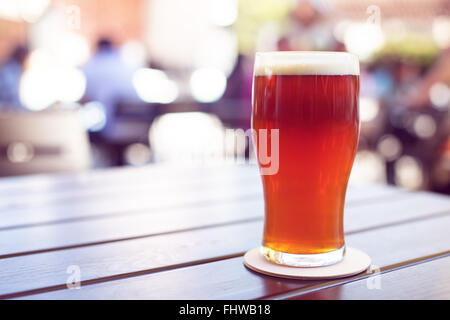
x: 311, y: 99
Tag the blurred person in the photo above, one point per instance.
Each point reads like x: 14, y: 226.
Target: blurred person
x: 417, y: 100
x: 309, y: 29
x: 439, y: 72
x: 403, y: 85
x: 109, y: 81
x: 10, y: 73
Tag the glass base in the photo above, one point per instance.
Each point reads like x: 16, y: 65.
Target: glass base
x: 303, y: 260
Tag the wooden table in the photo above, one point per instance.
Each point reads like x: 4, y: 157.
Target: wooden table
x: 171, y: 233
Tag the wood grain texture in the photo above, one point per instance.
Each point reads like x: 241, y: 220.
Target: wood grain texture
x: 123, y: 175
x: 35, y: 208
x: 223, y: 279
x: 130, y: 204
x: 114, y: 228
x: 105, y: 188
x: 428, y: 280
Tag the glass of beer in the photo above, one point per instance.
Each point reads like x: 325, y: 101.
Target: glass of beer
x: 311, y: 100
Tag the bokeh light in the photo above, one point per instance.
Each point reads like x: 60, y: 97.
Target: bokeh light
x: 207, y: 85
x: 134, y: 54
x: 363, y: 39
x: 19, y: 152
x: 36, y: 91
x: 187, y: 137
x: 424, y: 126
x: 73, y: 50
x: 390, y: 147
x: 137, y: 154
x: 368, y: 109
x: 154, y: 86
x: 69, y: 84
x: 222, y: 12
x: 216, y: 50
x: 368, y: 167
x: 41, y: 87
x: 408, y: 173
x: 440, y: 95
x: 28, y: 10
x: 93, y: 116
x: 441, y: 31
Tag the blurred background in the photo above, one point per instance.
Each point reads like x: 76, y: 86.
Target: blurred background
x: 91, y: 84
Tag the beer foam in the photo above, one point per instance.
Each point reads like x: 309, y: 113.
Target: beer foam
x: 306, y: 63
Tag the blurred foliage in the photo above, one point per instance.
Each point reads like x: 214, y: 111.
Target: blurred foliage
x: 411, y: 48
x: 255, y: 13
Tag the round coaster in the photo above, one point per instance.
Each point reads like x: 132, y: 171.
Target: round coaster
x: 354, y: 262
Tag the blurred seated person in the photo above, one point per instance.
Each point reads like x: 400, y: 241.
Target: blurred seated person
x: 10, y: 73
x: 109, y: 81
x: 309, y: 28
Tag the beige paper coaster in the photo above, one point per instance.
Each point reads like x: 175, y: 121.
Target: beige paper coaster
x: 354, y: 262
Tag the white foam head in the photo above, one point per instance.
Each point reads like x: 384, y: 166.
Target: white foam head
x: 305, y: 63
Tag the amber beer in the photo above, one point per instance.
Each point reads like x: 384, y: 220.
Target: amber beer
x: 312, y: 98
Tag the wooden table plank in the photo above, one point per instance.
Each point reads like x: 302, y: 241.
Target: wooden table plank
x: 113, y: 228
x: 428, y: 280
x: 85, y: 233
x: 128, y: 175
x: 119, y: 179
x: 400, y: 208
x: 120, y: 205
x: 143, y: 185
x: 128, y: 201
x: 156, y: 201
x: 229, y: 279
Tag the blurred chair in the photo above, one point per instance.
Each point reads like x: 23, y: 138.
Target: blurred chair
x: 42, y: 142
